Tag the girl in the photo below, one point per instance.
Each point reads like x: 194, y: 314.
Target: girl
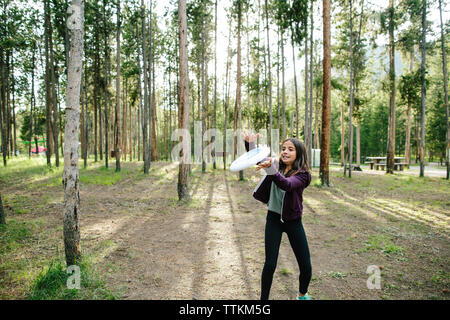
x: 282, y: 190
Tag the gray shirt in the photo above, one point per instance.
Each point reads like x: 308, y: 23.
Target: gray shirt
x: 276, y: 198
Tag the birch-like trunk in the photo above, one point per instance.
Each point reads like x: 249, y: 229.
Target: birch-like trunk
x: 75, y: 24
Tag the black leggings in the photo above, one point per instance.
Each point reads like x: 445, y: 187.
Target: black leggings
x: 297, y: 239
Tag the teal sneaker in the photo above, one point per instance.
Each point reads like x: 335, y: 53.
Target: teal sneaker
x: 305, y: 297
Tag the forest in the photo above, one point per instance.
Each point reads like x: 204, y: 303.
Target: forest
x: 94, y: 91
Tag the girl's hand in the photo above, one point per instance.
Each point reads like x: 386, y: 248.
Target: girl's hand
x: 249, y: 137
x: 264, y: 165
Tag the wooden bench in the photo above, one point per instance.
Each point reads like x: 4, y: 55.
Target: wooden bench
x: 370, y: 163
x: 399, y: 165
x: 382, y: 165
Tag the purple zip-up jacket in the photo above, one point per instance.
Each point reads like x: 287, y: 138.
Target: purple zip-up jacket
x: 292, y: 205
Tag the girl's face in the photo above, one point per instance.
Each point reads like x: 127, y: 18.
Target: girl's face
x: 288, y: 153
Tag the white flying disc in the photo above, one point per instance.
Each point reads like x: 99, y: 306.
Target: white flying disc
x: 250, y: 158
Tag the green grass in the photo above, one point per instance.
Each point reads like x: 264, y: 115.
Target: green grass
x: 337, y: 275
x: 14, y: 234
x: 316, y: 183
x: 441, y: 277
x: 285, y: 272
x: 53, y: 283
x: 101, y: 179
x: 383, y: 243
x: 30, y: 171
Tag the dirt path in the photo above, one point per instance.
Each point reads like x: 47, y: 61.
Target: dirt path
x: 148, y: 246
x: 214, y: 247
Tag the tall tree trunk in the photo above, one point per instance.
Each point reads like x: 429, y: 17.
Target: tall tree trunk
x: 100, y: 120
x: 47, y: 82
x: 154, y: 117
x: 269, y: 73
x: 342, y: 136
x: 32, y: 100
x: 215, y: 82
x: 124, y: 122
x: 14, y: 145
x: 3, y: 106
x: 307, y: 120
x: 146, y: 100
x: 106, y: 88
x: 96, y: 95
x: 238, y: 103
x: 391, y: 136
x: 8, y: 103
x: 82, y: 119
x: 67, y: 40
x: 2, y: 212
x: 150, y: 86
x: 117, y: 150
x: 358, y: 119
x: 227, y: 96
x: 408, y: 117
x: 350, y: 116
x: 71, y: 174
x: 283, y: 89
x: 444, y: 72
x: 61, y: 144
x: 85, y: 117
x: 316, y: 121
x: 183, y: 192
x: 423, y: 90
x: 203, y: 82
x: 311, y: 80
x: 54, y: 100
x: 295, y: 88
x: 170, y: 105
x: 326, y: 105
x: 130, y: 145
x: 100, y: 125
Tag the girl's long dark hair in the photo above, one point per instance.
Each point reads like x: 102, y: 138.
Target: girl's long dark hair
x: 301, y: 159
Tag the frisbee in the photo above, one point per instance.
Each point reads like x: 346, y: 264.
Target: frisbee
x: 250, y: 158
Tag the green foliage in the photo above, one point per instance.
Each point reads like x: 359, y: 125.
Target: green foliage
x: 51, y: 284
x: 374, y: 125
x: 409, y: 88
x: 437, y: 127
x: 297, y: 16
x: 38, y: 126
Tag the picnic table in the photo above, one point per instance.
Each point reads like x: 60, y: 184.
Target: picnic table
x: 377, y: 162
